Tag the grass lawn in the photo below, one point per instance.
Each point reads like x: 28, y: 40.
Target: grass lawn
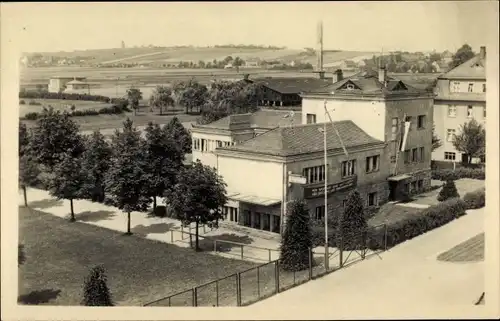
x: 463, y: 185
x: 392, y: 213
x: 59, y: 254
x: 471, y: 250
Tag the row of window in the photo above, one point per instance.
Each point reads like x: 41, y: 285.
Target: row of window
x: 317, y: 174
x: 208, y: 145
x: 421, y: 124
x: 452, y: 111
x: 470, y: 88
x: 414, y: 155
x: 371, y: 200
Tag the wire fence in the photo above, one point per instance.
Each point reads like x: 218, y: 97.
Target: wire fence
x: 257, y: 283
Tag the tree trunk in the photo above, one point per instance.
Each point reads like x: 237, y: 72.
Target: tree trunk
x: 161, y: 110
x: 154, y: 204
x: 128, y: 223
x: 25, y: 197
x: 72, y: 219
x: 197, y: 243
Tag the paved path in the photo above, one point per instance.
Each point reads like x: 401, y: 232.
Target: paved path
x: 408, y: 274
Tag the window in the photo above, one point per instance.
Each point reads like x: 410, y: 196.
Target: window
x: 484, y: 88
x: 414, y: 155
x: 469, y: 111
x: 311, y: 118
x: 452, y: 111
x: 455, y: 87
x: 420, y: 185
x: 449, y: 135
x: 350, y: 86
x: 372, y: 163
x: 421, y: 122
x: 203, y: 145
x: 449, y: 156
x: 372, y: 199
x: 408, y: 119
x: 315, y: 174
x: 394, y: 127
x: 219, y: 143
x: 421, y: 156
x: 319, y: 214
x: 471, y: 87
x: 407, y: 157
x: 344, y: 203
x: 484, y: 112
x: 348, y: 168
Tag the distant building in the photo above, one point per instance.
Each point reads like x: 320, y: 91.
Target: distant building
x: 252, y: 63
x: 76, y: 85
x: 460, y: 97
x: 348, y: 65
x: 58, y: 84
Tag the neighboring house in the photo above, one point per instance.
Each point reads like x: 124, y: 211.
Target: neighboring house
x: 252, y: 63
x: 76, y: 85
x: 460, y: 97
x: 447, y: 57
x: 58, y: 84
x: 348, y: 65
x: 286, y: 91
x: 228, y: 66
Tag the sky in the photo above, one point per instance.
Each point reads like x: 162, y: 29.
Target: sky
x: 364, y: 26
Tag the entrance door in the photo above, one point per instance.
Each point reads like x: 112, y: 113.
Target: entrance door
x: 465, y: 158
x: 393, y: 190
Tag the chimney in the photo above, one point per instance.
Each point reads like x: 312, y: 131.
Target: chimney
x: 482, y: 52
x: 339, y: 75
x: 321, y: 74
x: 382, y: 75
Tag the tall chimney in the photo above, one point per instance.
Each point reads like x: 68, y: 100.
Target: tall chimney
x: 320, y: 47
x: 382, y: 74
x: 482, y: 52
x: 339, y: 75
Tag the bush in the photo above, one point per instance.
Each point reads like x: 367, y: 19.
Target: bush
x: 34, y: 103
x: 429, y: 219
x: 352, y: 222
x: 64, y: 96
x: 462, y: 172
x: 22, y: 102
x: 475, y: 199
x: 448, y: 191
x: 86, y: 112
x: 31, y: 116
x: 96, y: 292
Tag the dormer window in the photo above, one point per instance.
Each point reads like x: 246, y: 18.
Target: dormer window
x: 350, y: 87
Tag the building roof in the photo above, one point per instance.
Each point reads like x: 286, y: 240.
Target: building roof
x: 304, y: 139
x: 473, y: 68
x: 67, y: 77
x: 367, y: 83
x: 292, y: 85
x: 261, y: 119
x: 76, y: 82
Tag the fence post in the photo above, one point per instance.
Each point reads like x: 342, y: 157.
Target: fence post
x: 385, y: 237
x: 169, y: 301
x: 182, y: 231
x: 341, y: 251
x: 269, y: 251
x: 258, y: 282
x: 238, y: 290
x: 310, y: 265
x: 204, y: 229
x: 277, y: 276
x: 363, y: 243
x: 217, y: 292
x: 241, y: 251
x: 171, y: 236
x: 215, y: 246
x: 195, y: 296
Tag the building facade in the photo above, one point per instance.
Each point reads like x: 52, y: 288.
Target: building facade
x: 460, y: 97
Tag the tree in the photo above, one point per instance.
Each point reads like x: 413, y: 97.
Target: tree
x: 96, y: 291
x: 164, y: 159
x: 24, y: 139
x: 21, y: 256
x: 463, y: 54
x: 352, y: 222
x: 471, y: 140
x: 28, y: 174
x: 161, y: 98
x: 180, y: 135
x: 448, y: 191
x: 190, y: 94
x: 127, y: 179
x: 67, y: 180
x: 95, y: 164
x: 54, y: 134
x: 297, y: 239
x: 436, y: 142
x: 198, y: 196
x: 134, y: 96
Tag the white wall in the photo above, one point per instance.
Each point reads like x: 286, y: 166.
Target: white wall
x: 207, y: 157
x: 252, y: 177
x: 457, y: 86
x: 368, y: 115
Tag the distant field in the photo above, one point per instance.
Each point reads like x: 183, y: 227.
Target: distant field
x: 58, y: 104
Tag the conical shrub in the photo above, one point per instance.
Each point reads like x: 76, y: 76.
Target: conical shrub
x: 96, y: 292
x: 448, y: 191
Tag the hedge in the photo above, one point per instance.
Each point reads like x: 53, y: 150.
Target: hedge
x: 64, y: 96
x: 432, y: 217
x: 120, y: 106
x: 475, y: 199
x: 463, y: 172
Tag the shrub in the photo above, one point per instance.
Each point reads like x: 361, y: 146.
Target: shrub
x: 475, y: 199
x: 22, y: 102
x: 86, y: 112
x: 352, y: 222
x: 429, y: 219
x: 448, y: 191
x: 31, y: 116
x: 296, y: 243
x: 96, y: 292
x: 64, y: 96
x: 34, y: 103
x: 462, y: 172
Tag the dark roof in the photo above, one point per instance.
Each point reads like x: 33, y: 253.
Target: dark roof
x: 303, y: 139
x: 473, y: 68
x: 294, y: 85
x: 367, y: 82
x: 263, y: 119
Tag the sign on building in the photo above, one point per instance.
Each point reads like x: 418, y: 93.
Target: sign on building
x: 296, y: 179
x: 312, y: 192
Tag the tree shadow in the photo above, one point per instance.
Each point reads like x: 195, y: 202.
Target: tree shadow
x: 208, y: 242
x: 152, y: 229
x: 38, y: 296
x: 95, y: 216
x: 44, y: 204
